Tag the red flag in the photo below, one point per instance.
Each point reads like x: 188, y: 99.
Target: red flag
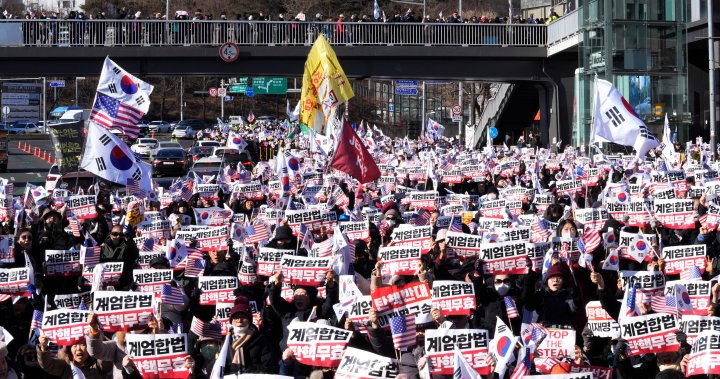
x: 353, y: 158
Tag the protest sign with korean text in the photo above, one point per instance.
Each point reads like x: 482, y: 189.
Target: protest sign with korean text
x: 453, y: 297
x: 399, y: 260
x: 152, y: 280
x: 440, y: 345
x: 698, y: 290
x: 508, y: 258
x: 411, y: 298
x: 217, y: 289
x: 81, y: 207
x: 680, y: 258
x: 14, y: 281
x: 73, y: 301
x: 464, y: 245
x: 600, y: 322
x: 209, y: 238
x: 305, y: 271
x: 419, y: 236
x: 693, y: 325
x: 355, y: 230
x: 123, y: 310
x: 312, y: 218
x: 361, y: 364
x: 649, y: 334
x: 65, y: 327
x: 158, y: 355
x: 675, y: 213
x: 268, y: 260
x: 62, y: 262
x: 316, y: 344
x: 705, y: 354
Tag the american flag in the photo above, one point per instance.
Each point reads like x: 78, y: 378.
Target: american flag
x: 301, y: 232
x: 112, y: 114
x: 691, y: 273
x: 512, y: 311
x: 323, y: 249
x: 193, y: 264
x: 630, y: 305
x: 403, y: 331
x: 256, y: 233
x: 186, y: 191
x: 539, y: 227
x: 663, y: 304
x: 591, y: 239
x: 422, y: 218
x: 523, y: 367
x: 133, y: 187
x: 74, y: 226
x: 171, y: 295
x: 90, y: 255
x: 206, y: 329
x: 148, y: 244
x: 37, y: 319
x: 456, y: 225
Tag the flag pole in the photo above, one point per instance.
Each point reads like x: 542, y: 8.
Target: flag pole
x: 592, y: 115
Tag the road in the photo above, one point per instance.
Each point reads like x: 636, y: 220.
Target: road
x: 26, y: 168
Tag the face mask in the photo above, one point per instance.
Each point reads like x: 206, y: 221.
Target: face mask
x: 208, y: 352
x: 566, y: 234
x: 241, y: 329
x: 390, y: 223
x: 502, y: 289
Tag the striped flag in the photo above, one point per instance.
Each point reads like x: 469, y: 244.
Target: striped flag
x: 256, y: 233
x: 133, y: 187
x: 524, y: 365
x: 186, y: 191
x: 403, y: 331
x: 323, y: 249
x: 512, y: 311
x: 455, y: 225
x: 630, y: 304
x: 591, y: 239
x: 37, y: 318
x: 663, y: 304
x: 691, y: 273
x: 112, y: 114
x: 74, y: 226
x: 206, y: 329
x: 540, y: 229
x: 422, y: 218
x: 171, y: 295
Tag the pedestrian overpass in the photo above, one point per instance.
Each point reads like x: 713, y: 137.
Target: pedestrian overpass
x: 540, y: 56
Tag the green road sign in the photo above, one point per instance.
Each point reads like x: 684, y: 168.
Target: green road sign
x: 260, y: 86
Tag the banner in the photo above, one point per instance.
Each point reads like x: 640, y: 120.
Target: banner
x: 62, y: 262
x: 123, y: 310
x: 399, y: 260
x: 81, y: 207
x: 68, y: 140
x: 504, y: 258
x: 158, y: 355
x: 112, y: 271
x: 304, y: 271
x: 698, y: 290
x: 568, y: 187
x: 419, y: 237
x: 355, y: 230
x: 361, y: 364
x: 250, y: 191
x: 411, y: 298
x: 211, y: 238
x: 536, y: 253
x: 638, y: 212
x: 152, y: 280
x: 693, y: 325
x: 705, y: 355
x: 268, y: 260
x: 310, y: 217
x: 464, y: 245
x: 453, y: 297
x: 649, y: 334
x: 156, y: 229
x: 593, y: 218
x: 73, y: 301
x: 493, y: 208
x: 648, y: 283
x: 217, y: 289
x: 675, y: 214
x: 316, y: 344
x: 207, y: 191
x: 679, y: 258
x: 14, y: 281
x: 600, y: 322
x: 65, y: 327
x: 508, y: 234
x: 424, y: 200
x: 558, y: 343
x: 676, y: 178
x: 440, y: 345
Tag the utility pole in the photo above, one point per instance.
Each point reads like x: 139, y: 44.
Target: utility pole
x: 181, y: 98
x: 711, y: 78
x: 460, y: 103
x: 222, y: 101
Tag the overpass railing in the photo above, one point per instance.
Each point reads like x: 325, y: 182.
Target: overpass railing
x: 564, y: 31
x: 262, y: 33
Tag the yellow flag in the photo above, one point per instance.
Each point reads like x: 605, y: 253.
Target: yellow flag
x: 324, y: 85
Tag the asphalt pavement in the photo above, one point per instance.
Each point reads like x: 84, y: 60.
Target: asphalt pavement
x: 26, y: 168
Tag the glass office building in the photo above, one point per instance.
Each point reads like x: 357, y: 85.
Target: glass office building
x: 639, y: 46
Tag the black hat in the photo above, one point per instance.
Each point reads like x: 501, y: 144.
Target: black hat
x: 159, y: 260
x: 283, y: 232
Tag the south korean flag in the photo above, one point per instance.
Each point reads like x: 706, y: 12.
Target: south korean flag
x: 120, y: 85
x: 111, y: 159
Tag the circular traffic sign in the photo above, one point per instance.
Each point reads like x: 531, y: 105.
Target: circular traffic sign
x: 229, y: 52
x: 493, y: 132
x: 5, y: 110
x: 457, y: 110
x: 213, y: 92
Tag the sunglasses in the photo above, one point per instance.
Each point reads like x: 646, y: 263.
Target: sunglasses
x: 116, y: 234
x: 501, y: 281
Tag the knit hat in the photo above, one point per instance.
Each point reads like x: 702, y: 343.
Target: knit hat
x: 556, y: 270
x: 389, y: 205
x: 283, y: 232
x: 241, y: 308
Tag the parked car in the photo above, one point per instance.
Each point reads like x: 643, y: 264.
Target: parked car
x: 23, y: 127
x: 74, y: 180
x: 159, y: 127
x: 144, y: 128
x: 169, y: 161
x: 52, y: 177
x: 229, y: 155
x: 164, y: 145
x: 144, y: 146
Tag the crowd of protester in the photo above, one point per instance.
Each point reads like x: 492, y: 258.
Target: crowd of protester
x: 553, y: 293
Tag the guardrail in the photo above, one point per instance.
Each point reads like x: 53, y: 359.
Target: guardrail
x: 492, y: 108
x: 262, y: 33
x: 563, y: 28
